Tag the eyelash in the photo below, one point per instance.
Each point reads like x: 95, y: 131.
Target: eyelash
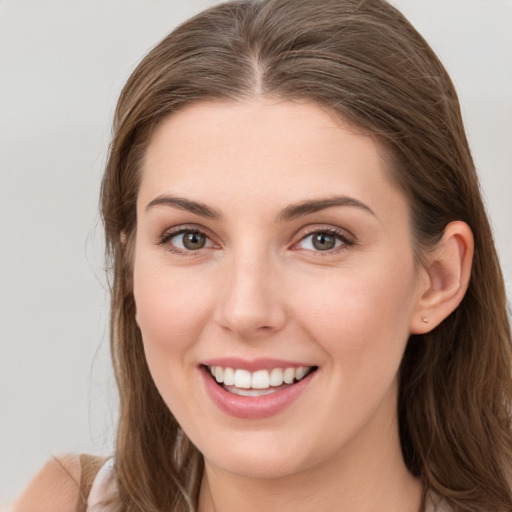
x: 339, y: 235
x: 167, y: 237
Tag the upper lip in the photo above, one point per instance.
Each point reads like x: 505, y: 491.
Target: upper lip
x: 253, y: 365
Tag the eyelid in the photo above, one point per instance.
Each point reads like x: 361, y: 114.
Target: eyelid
x: 169, y: 234
x: 347, y: 238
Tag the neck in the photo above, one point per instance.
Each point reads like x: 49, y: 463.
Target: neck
x: 365, y: 477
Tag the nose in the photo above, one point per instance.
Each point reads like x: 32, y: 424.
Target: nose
x: 250, y: 304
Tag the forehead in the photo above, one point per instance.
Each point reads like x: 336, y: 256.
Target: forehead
x: 263, y: 149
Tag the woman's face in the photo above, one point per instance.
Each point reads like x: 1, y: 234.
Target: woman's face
x: 273, y: 251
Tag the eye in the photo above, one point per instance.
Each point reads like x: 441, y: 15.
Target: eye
x: 324, y: 240
x: 186, y: 240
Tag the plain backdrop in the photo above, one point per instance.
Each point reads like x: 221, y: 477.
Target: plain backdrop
x: 62, y: 64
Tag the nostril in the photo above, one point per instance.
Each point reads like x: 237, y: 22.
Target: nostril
x: 247, y: 307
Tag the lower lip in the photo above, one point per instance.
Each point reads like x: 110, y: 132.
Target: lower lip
x: 253, y: 407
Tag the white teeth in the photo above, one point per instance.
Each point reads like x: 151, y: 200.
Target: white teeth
x: 260, y: 379
x: 250, y: 392
x: 219, y: 374
x: 229, y: 376
x: 288, y: 375
x: 276, y: 377
x: 238, y: 379
x: 242, y: 379
x: 300, y: 372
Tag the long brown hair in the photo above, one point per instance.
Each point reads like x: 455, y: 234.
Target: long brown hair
x: 365, y: 62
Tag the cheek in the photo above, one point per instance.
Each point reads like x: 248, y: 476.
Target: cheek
x: 362, y: 320
x: 362, y: 326
x: 171, y: 312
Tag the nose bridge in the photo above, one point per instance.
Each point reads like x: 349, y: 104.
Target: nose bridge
x: 250, y: 303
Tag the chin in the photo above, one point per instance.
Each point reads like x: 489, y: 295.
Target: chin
x: 264, y: 454
x: 258, y: 466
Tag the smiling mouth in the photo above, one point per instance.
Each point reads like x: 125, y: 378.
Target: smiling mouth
x: 261, y: 382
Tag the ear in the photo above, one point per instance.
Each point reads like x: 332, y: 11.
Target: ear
x: 446, y: 274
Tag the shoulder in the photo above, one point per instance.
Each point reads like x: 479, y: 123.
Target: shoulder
x: 63, y: 484
x: 55, y: 487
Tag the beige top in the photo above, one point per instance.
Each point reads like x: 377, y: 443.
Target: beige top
x: 104, y: 489
x: 436, y: 504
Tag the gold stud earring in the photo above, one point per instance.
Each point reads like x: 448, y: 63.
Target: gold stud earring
x: 424, y: 319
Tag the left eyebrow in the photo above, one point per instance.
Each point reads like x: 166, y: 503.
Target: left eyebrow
x: 306, y: 207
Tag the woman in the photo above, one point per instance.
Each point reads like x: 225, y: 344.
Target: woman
x: 307, y: 308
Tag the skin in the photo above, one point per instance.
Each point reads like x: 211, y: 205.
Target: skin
x: 54, y: 487
x: 259, y: 288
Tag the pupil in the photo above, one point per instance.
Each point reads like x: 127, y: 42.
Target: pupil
x: 323, y: 241
x: 194, y: 241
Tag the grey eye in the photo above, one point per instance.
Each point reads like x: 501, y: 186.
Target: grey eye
x: 190, y: 240
x: 321, y: 241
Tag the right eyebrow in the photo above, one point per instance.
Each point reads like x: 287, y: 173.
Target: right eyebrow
x: 195, y: 207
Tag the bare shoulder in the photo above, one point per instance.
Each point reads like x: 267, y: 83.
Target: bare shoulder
x: 56, y: 487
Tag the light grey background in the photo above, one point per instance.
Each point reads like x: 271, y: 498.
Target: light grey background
x: 62, y: 65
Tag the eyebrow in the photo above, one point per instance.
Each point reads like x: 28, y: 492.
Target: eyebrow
x: 291, y: 212
x: 186, y: 204
x: 307, y: 207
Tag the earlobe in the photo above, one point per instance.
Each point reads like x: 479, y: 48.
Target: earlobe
x: 447, y: 272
